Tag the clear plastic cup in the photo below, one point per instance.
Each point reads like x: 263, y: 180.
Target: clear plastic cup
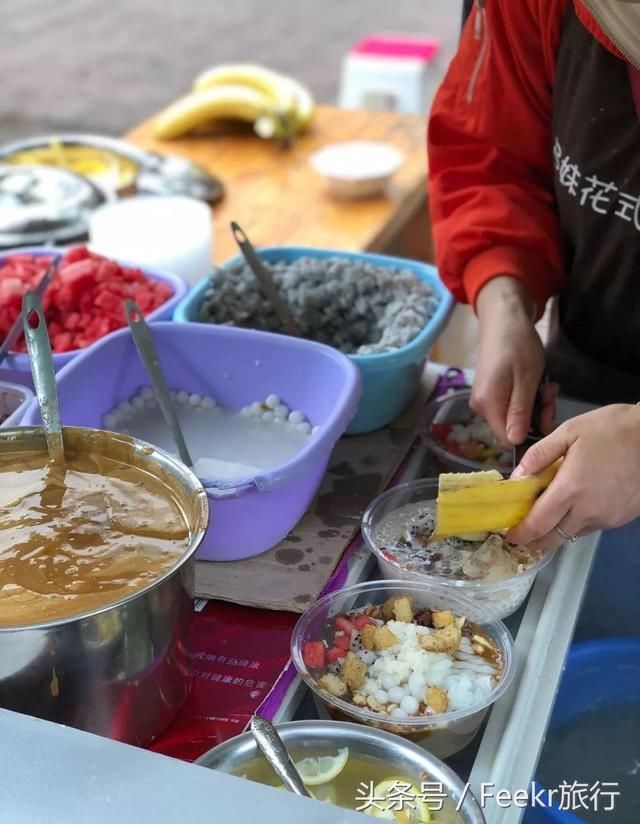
x: 502, y: 597
x: 444, y: 734
x: 453, y: 408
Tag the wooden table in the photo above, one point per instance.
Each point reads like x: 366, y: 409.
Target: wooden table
x: 279, y: 200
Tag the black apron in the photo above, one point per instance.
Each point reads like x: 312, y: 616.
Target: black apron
x: 595, y: 355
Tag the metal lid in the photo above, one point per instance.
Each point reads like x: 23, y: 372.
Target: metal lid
x: 44, y: 204
x: 156, y: 173
x: 173, y: 175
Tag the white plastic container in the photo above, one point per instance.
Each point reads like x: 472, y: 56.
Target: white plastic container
x: 501, y: 597
x: 390, y: 72
x: 170, y: 234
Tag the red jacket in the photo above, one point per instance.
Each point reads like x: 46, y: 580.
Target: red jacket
x: 490, y: 155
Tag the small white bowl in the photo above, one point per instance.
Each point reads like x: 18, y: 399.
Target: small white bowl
x: 358, y: 168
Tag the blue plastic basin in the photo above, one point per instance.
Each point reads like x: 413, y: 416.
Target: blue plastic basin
x: 389, y: 380
x: 584, y: 688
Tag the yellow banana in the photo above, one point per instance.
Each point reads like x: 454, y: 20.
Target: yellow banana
x: 231, y: 101
x: 290, y: 98
x: 485, y: 502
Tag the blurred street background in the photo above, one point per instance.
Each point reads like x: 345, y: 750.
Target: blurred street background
x: 103, y: 66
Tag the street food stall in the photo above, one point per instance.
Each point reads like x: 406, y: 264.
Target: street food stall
x: 283, y: 556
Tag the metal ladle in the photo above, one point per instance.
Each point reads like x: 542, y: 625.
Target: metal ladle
x: 149, y: 356
x: 274, y: 750
x: 44, y: 380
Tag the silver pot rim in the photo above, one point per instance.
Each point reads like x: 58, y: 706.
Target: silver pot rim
x: 146, y: 451
x: 470, y: 811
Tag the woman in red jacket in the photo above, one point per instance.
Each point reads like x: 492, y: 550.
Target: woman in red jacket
x: 534, y: 150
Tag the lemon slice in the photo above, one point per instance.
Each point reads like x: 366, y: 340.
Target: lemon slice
x: 395, y: 801
x: 314, y: 771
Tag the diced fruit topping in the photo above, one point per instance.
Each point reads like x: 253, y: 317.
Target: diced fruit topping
x: 441, y: 430
x: 361, y: 621
x: 342, y: 641
x: 335, y: 654
x: 83, y: 302
x: 344, y: 625
x: 314, y: 655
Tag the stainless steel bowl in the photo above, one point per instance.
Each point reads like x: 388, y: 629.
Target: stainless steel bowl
x: 121, y: 670
x: 305, y: 738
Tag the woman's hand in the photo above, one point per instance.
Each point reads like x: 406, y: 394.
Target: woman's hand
x: 598, y: 484
x: 510, y: 362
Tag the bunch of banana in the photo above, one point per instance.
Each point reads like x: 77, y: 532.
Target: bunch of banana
x: 277, y: 105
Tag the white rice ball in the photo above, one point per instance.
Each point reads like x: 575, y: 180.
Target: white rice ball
x: 272, y: 401
x: 409, y: 705
x: 246, y: 412
x: 281, y: 411
x: 304, y: 427
x: 296, y: 417
x: 195, y: 399
x: 256, y: 409
x: 147, y: 393
x: 390, y: 681
x: 208, y: 402
x: 396, y: 694
x: 382, y: 696
x: 182, y: 396
x: 137, y: 402
x: 268, y: 415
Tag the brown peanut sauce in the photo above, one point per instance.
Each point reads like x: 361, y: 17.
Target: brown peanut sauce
x: 80, y: 536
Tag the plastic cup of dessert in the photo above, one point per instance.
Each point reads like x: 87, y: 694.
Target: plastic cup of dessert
x: 503, y: 597
x: 453, y: 408
x: 443, y: 734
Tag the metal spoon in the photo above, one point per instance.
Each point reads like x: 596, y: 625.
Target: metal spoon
x: 149, y: 356
x: 44, y: 380
x: 274, y: 750
x: 265, y: 279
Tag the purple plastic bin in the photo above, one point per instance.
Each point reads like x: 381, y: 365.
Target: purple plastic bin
x: 19, y: 361
x: 236, y: 367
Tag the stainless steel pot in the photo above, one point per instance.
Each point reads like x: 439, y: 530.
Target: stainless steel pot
x: 122, y: 670
x: 313, y: 738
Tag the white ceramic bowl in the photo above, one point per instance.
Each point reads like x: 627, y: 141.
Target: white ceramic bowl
x: 358, y: 168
